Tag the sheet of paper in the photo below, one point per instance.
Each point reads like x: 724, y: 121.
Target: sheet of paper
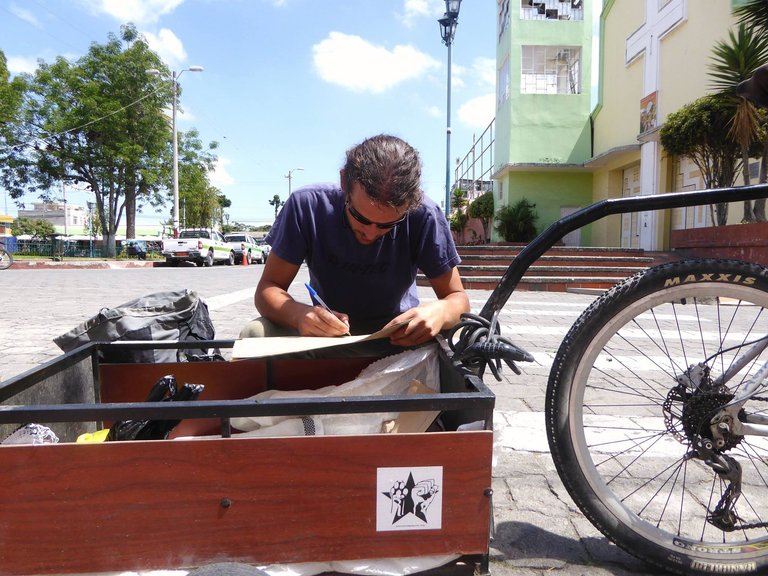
x: 263, y: 347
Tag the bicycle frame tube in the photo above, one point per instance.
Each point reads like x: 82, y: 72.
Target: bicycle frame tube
x: 547, y: 239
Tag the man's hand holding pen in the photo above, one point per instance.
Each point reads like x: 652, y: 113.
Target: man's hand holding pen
x: 320, y: 320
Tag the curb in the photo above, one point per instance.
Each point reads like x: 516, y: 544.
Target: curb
x: 82, y: 264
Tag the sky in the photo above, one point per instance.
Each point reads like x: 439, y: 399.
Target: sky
x: 287, y: 84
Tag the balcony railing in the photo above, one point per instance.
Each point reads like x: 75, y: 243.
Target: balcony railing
x: 473, y: 172
x: 552, y: 10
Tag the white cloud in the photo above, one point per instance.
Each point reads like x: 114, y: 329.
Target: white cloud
x: 167, y: 45
x: 24, y: 14
x: 140, y: 12
x: 220, y: 177
x: 457, y: 75
x: 22, y: 64
x: 434, y: 111
x: 478, y: 112
x: 414, y: 9
x: 485, y: 69
x: 356, y: 64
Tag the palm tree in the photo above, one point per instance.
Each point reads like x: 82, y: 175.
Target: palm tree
x: 459, y: 219
x: 734, y: 61
x: 754, y: 14
x: 459, y: 199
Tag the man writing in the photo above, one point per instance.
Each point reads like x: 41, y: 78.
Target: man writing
x: 363, y: 242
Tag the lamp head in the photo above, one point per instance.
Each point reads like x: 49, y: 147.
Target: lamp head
x: 452, y: 8
x: 447, y: 29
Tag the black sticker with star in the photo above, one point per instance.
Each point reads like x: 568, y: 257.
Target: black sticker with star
x: 409, y: 498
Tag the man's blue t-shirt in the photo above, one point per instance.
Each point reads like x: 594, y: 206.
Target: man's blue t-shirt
x: 371, y: 283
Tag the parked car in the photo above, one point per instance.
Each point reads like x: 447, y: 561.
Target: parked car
x: 265, y: 248
x: 201, y: 246
x: 245, y: 245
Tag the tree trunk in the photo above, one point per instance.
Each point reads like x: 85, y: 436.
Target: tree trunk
x: 760, y: 203
x: 749, y: 215
x: 108, y: 245
x: 130, y: 215
x: 722, y: 213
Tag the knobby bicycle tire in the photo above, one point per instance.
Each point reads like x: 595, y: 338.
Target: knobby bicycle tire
x: 5, y: 259
x: 620, y: 423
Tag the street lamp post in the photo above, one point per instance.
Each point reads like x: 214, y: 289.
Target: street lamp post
x: 289, y: 175
x: 447, y: 31
x: 175, y: 85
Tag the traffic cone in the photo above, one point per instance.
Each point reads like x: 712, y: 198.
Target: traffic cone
x: 244, y: 261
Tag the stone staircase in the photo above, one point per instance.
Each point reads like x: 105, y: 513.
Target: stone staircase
x: 561, y: 269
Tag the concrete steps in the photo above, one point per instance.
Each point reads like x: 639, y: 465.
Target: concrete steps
x: 561, y: 269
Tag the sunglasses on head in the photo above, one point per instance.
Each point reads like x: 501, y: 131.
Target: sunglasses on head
x: 365, y: 222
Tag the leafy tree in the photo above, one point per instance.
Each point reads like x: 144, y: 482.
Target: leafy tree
x: 39, y: 229
x: 203, y: 203
x: 277, y: 203
x: 733, y: 62
x: 457, y: 222
x: 459, y: 199
x: 99, y: 123
x: 236, y: 227
x: 517, y: 222
x: 699, y: 130
x: 482, y: 209
x: 11, y: 92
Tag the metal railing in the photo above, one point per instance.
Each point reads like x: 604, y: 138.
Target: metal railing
x: 552, y: 10
x: 473, y: 172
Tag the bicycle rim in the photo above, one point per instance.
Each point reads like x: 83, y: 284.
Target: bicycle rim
x: 629, y: 435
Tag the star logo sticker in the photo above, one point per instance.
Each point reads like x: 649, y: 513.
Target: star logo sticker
x: 410, y: 497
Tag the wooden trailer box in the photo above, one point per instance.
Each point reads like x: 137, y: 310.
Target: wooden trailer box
x: 181, y: 503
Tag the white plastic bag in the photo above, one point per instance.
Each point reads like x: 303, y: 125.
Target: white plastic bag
x: 389, y: 376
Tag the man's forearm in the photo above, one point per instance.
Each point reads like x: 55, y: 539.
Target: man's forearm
x: 277, y: 305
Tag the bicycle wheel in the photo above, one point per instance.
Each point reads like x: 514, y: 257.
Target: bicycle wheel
x: 630, y: 401
x: 5, y: 259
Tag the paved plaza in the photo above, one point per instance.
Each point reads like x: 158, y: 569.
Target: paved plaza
x: 538, y: 530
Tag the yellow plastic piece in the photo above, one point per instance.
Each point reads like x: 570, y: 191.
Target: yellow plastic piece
x: 93, y: 437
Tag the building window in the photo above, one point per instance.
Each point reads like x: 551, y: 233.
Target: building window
x: 552, y: 9
x: 551, y: 70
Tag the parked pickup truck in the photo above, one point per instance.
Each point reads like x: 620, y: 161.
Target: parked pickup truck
x: 201, y: 246
x: 244, y: 246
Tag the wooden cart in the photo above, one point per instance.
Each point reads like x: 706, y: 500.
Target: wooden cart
x: 136, y: 505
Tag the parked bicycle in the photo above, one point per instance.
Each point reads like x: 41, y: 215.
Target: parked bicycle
x: 657, y: 400
x: 5, y: 257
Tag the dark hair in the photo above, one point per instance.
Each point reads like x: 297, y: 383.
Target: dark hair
x: 388, y: 168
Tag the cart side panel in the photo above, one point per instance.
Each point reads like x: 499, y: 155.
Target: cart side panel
x: 168, y: 504
x: 59, y: 383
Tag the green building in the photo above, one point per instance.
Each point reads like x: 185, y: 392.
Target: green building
x: 543, y: 130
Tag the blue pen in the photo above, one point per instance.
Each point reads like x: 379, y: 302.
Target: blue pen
x: 316, y: 297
